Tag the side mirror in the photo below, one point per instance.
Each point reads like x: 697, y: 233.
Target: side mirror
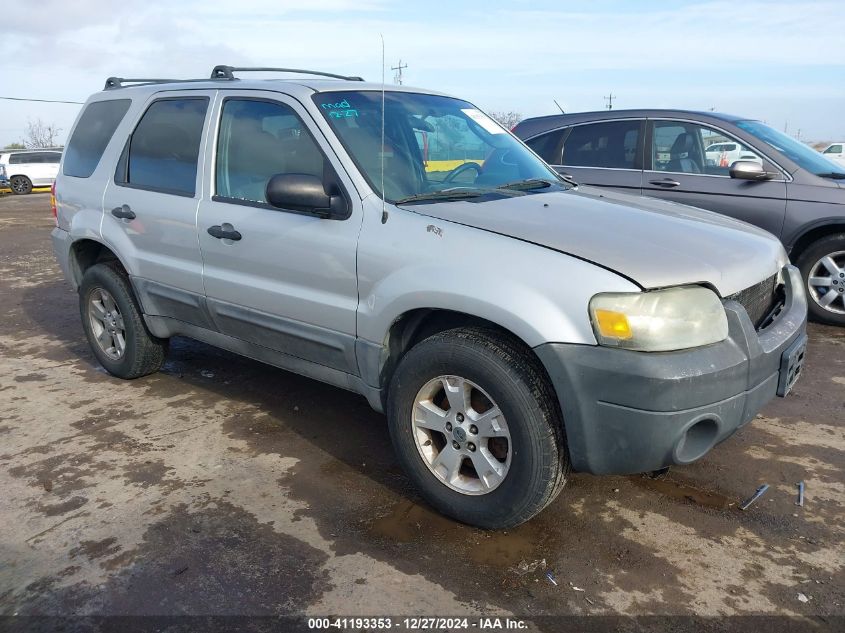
x: 750, y: 170
x: 306, y: 193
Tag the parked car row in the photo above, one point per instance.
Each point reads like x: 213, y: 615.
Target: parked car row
x: 21, y: 170
x: 735, y: 166
x: 512, y: 326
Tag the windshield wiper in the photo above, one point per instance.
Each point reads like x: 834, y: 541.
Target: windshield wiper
x: 527, y: 184
x: 444, y: 194
x: 833, y: 174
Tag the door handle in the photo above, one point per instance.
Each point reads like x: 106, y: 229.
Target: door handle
x: 224, y: 232
x: 668, y: 183
x: 123, y: 212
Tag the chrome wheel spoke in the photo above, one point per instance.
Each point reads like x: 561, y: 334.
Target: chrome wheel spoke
x: 820, y: 281
x: 828, y: 298
x: 830, y: 265
x: 429, y: 416
x: 457, y: 392
x: 98, y: 311
x: 448, y: 463
x: 489, y: 423
x: 490, y: 471
x: 119, y: 342
x: 108, y: 302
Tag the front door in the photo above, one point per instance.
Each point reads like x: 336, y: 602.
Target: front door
x: 690, y: 163
x: 288, y: 281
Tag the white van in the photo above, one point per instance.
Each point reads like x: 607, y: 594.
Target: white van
x: 25, y: 169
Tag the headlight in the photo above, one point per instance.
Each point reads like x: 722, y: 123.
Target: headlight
x: 659, y: 321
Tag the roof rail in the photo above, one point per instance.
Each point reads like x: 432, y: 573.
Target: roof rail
x: 119, y: 82
x: 228, y: 72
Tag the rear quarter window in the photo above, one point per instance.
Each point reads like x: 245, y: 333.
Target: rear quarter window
x: 91, y: 136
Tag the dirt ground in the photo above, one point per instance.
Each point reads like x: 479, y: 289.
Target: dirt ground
x: 224, y: 486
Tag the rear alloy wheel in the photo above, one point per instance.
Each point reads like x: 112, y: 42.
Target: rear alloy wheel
x: 114, y: 324
x: 823, y: 267
x: 20, y: 185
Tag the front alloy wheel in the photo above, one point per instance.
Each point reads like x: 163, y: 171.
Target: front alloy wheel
x: 826, y: 282
x: 461, y: 435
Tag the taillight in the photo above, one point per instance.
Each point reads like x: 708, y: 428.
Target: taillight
x: 53, y: 206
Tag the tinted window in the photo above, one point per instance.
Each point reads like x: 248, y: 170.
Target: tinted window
x: 164, y: 147
x: 689, y: 148
x: 20, y: 159
x: 547, y: 146
x: 834, y: 149
x: 610, y: 144
x: 257, y: 140
x: 91, y: 135
x: 52, y: 157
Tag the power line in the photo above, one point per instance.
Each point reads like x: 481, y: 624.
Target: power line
x: 41, y: 100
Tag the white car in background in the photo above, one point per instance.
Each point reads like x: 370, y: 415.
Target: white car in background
x: 726, y: 154
x: 25, y: 169
x: 835, y: 152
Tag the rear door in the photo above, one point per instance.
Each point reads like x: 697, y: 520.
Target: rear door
x: 150, y: 205
x: 679, y: 169
x: 604, y: 154
x: 288, y: 282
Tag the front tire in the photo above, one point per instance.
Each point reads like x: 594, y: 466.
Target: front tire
x: 822, y: 266
x: 114, y: 325
x: 476, y: 425
x: 20, y: 185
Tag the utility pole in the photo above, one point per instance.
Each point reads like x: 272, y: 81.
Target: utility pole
x: 397, y: 76
x: 609, y: 98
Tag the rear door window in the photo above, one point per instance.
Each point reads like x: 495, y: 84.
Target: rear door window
x: 91, y: 136
x: 548, y: 146
x: 610, y: 144
x: 163, y: 150
x: 21, y: 159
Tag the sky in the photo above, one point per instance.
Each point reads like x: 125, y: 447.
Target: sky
x: 781, y: 62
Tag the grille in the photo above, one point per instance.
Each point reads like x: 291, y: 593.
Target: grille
x: 760, y: 300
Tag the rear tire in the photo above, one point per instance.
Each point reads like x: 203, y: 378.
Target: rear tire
x: 525, y: 477
x: 20, y: 185
x: 822, y: 266
x: 114, y: 325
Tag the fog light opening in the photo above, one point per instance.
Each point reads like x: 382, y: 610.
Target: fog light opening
x: 698, y: 439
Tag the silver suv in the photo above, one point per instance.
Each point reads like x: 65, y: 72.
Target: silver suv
x: 401, y: 244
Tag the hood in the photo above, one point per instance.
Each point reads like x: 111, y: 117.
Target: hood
x: 652, y: 242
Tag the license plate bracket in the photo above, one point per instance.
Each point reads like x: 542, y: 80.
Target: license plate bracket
x: 791, y: 364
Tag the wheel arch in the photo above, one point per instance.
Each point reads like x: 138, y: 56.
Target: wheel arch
x: 86, y: 252
x: 813, y: 234
x: 414, y: 326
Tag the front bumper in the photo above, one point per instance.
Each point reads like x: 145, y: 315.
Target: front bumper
x: 629, y: 412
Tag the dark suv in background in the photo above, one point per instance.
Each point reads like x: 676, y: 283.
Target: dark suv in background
x: 728, y: 164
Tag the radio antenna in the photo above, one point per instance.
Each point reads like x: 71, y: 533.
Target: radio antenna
x: 381, y: 152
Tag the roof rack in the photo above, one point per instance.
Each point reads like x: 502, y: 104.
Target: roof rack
x: 228, y: 72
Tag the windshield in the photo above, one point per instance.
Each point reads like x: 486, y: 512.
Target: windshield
x: 434, y: 146
x: 806, y: 157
